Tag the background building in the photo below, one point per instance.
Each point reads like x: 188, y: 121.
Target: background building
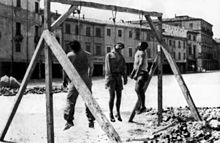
x: 189, y: 40
x: 19, y: 25
x: 204, y: 46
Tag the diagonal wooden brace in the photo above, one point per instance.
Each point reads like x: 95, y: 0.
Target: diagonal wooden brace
x: 176, y: 71
x: 23, y: 86
x: 62, y: 18
x: 151, y: 73
x: 81, y: 87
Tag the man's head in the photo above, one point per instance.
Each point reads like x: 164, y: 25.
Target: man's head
x: 142, y: 46
x: 119, y: 46
x: 75, y: 46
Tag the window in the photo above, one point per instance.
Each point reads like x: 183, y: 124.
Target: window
x: 36, y: 30
x: 88, y: 31
x: 58, y: 39
x: 98, y: 50
x: 18, y: 3
x: 76, y: 30
x: 170, y: 42
x: 130, y: 34
x: 130, y: 52
x: 184, y: 56
x: 189, y: 36
x: 17, y: 46
x: 88, y: 47
x: 194, y: 38
x: 18, y: 28
x: 179, y: 56
x: 108, y: 32
x: 36, y: 7
x: 174, y: 55
x: 191, y: 25
x: 108, y: 49
x: 179, y: 44
x: 190, y: 49
x: 119, y: 33
x: 137, y: 35
x: 67, y: 28
x: 98, y: 32
x: 194, y: 49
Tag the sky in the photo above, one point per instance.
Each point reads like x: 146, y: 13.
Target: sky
x: 209, y: 10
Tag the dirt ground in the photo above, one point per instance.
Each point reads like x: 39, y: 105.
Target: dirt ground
x: 29, y: 124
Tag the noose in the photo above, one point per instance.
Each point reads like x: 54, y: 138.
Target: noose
x: 141, y: 23
x: 78, y: 23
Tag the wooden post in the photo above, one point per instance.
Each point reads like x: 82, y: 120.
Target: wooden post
x: 81, y: 87
x: 23, y: 86
x: 151, y: 73
x: 176, y: 72
x: 160, y: 75
x: 48, y: 77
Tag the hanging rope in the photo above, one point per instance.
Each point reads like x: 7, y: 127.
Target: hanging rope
x: 141, y: 17
x: 78, y: 23
x: 114, y: 14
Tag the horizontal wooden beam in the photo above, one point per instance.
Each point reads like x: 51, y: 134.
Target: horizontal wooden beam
x: 81, y: 87
x: 108, y: 7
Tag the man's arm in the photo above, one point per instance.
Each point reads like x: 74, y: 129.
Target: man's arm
x: 107, y: 65
x: 124, y: 71
x: 65, y: 77
x: 91, y: 66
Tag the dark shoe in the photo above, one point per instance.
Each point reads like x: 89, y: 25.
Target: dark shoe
x: 142, y: 110
x: 68, y: 125
x: 112, y: 118
x: 118, y: 116
x: 91, y: 124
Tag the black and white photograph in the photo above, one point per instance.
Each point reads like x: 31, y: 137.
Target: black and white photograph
x: 119, y: 71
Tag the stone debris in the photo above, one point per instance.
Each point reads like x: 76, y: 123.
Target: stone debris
x: 178, y: 126
x: 5, y: 91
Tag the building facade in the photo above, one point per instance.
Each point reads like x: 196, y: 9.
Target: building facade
x: 98, y: 37
x: 189, y: 40
x: 176, y: 39
x: 204, y: 46
x: 19, y: 26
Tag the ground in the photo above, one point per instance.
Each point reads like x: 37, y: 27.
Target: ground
x: 29, y: 123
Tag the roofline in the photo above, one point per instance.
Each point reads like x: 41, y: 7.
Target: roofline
x: 189, y: 19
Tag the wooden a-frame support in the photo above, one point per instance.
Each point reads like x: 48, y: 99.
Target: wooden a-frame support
x: 74, y: 76
x: 175, y: 70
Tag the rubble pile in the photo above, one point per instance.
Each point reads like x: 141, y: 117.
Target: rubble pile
x: 4, y: 91
x: 179, y: 126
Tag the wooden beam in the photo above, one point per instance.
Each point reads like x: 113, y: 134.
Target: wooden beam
x: 176, y: 72
x: 151, y: 73
x: 62, y: 18
x: 48, y: 77
x: 108, y: 7
x: 81, y: 87
x: 23, y: 86
x: 160, y: 75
